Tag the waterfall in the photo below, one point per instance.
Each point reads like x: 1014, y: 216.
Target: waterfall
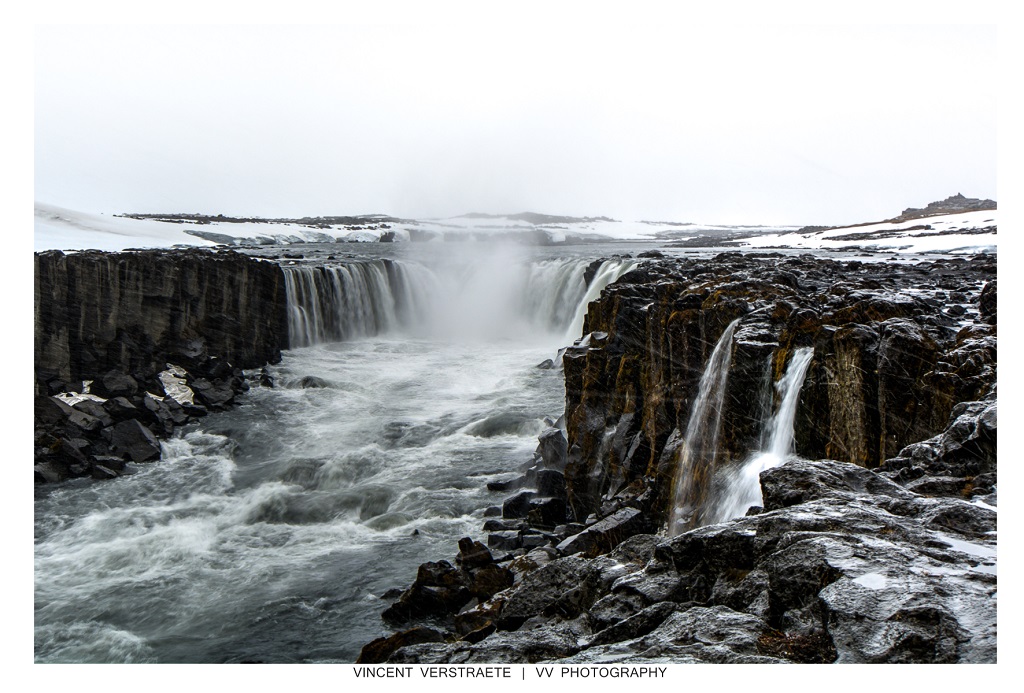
x: 471, y: 295
x: 360, y: 299
x: 608, y: 272
x: 697, y: 454
x: 742, y: 486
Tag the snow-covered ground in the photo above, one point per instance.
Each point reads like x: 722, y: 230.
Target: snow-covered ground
x: 65, y: 229
x: 953, y: 233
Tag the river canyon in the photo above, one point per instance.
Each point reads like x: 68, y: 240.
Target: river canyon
x: 472, y: 452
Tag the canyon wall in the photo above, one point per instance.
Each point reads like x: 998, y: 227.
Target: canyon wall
x: 132, y: 312
x: 896, y: 346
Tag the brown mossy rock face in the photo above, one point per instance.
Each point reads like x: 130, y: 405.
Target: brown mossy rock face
x: 889, y: 363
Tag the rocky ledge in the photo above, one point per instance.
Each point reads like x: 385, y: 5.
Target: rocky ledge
x: 130, y: 345
x: 877, y: 546
x: 841, y: 564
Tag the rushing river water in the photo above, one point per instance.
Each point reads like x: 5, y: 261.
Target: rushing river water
x: 269, y: 532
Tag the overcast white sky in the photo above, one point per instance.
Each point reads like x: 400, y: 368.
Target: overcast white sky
x: 735, y: 124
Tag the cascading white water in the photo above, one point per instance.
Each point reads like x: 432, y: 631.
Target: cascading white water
x: 608, y: 272
x: 360, y: 299
x: 742, y: 486
x: 696, y: 455
x: 466, y: 295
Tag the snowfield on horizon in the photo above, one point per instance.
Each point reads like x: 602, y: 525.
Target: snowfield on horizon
x: 905, y: 236
x: 57, y: 228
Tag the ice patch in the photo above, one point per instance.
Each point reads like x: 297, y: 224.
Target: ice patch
x: 73, y: 398
x: 873, y: 581
x: 175, y: 387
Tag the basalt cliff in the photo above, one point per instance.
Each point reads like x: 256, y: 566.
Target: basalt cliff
x: 876, y: 543
x: 111, y: 329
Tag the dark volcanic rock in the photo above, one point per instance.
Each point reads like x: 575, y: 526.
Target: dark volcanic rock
x: 115, y: 383
x: 848, y: 567
x: 605, y: 534
x: 439, y: 589
x: 102, y: 316
x: 380, y: 649
x: 987, y: 303
x: 132, y: 439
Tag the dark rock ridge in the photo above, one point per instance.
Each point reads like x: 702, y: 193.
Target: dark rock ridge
x: 953, y: 204
x: 154, y: 338
x: 886, y: 554
x: 536, y: 218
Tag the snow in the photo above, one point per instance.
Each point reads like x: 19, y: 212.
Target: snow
x: 873, y: 581
x: 73, y: 398
x: 57, y: 228
x: 905, y: 237
x: 175, y: 386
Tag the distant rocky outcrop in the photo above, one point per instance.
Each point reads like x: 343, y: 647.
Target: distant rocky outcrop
x: 954, y: 204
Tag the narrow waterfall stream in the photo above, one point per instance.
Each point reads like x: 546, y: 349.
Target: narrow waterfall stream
x: 741, y: 486
x: 269, y: 532
x: 707, y: 491
x: 699, y: 450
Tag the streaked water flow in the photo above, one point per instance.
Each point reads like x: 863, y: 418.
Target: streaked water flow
x: 741, y: 487
x: 696, y: 457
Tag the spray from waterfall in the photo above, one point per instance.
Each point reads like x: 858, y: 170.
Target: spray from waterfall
x: 696, y: 456
x: 742, y: 486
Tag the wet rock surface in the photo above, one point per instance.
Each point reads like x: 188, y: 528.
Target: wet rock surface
x: 852, y: 568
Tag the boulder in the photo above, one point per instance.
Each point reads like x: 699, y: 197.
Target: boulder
x: 605, y: 534
x: 553, y: 449
x: 120, y: 409
x: 133, y: 440
x: 439, y: 590
x: 115, y: 383
x: 987, y: 302
x: 379, y: 650
x: 518, y: 505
